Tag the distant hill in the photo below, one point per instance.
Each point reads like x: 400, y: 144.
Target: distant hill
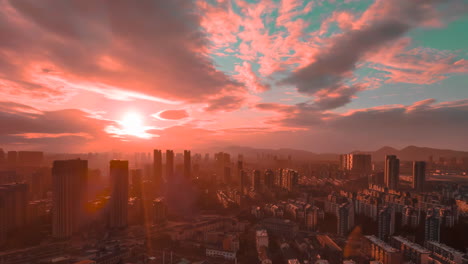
x: 408, y: 153
x: 415, y: 153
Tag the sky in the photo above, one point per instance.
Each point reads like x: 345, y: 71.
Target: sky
x: 318, y: 75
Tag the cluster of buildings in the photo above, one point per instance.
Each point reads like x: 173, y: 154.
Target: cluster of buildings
x: 305, y: 215
x: 401, y: 250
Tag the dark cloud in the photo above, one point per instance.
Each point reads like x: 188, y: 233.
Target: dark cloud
x: 384, y: 22
x: 151, y: 47
x: 28, y: 125
x: 424, y: 123
x: 225, y: 103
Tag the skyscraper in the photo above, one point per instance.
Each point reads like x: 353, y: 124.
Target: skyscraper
x: 419, y: 175
x: 240, y: 177
x: 169, y: 164
x: 137, y: 183
x: 358, y: 164
x: 157, y: 167
x: 392, y: 172
x: 386, y: 222
x: 119, y: 197
x: 69, y: 182
x: 432, y: 225
x: 187, y: 164
x: 13, y: 204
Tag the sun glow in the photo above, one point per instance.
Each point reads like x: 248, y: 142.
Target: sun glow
x: 132, y: 124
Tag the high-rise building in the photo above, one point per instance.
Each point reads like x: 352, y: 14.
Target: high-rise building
x: 2, y: 157
x: 289, y: 179
x: 278, y: 177
x: 386, y: 222
x: 30, y: 158
x: 119, y: 198
x: 345, y: 218
x: 240, y: 168
x: 159, y: 210
x: 410, y: 217
x: 69, y: 182
x: 256, y: 179
x: 169, y: 164
x: 269, y: 178
x: 432, y: 225
x: 419, y: 175
x: 222, y: 165
x: 312, y: 218
x: 344, y: 162
x: 187, y: 164
x: 361, y: 164
x: 137, y: 183
x: 13, y: 206
x: 358, y: 164
x: 157, y: 167
x: 392, y: 172
x: 12, y: 158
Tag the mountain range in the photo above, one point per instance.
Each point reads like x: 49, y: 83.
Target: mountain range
x: 408, y: 153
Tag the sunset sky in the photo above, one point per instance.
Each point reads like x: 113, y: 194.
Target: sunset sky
x: 319, y: 75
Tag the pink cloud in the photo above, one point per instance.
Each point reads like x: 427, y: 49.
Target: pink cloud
x: 246, y: 75
x: 173, y: 114
x: 138, y: 49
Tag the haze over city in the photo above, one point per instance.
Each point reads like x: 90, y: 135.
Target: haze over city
x: 233, y: 132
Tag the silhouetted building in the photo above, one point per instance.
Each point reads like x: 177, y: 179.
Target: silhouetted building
x: 169, y: 164
x: 222, y: 166
x: 187, y: 164
x: 392, y: 172
x: 240, y: 175
x: 12, y: 158
x: 159, y: 210
x: 69, y: 182
x: 119, y: 197
x: 13, y: 206
x: 137, y: 183
x: 30, y: 158
x: 419, y: 175
x: 256, y: 179
x: 386, y: 223
x: 269, y: 178
x: 157, y: 167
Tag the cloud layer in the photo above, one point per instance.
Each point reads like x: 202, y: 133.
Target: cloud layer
x: 270, y: 73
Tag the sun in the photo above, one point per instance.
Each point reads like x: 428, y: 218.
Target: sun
x: 132, y: 124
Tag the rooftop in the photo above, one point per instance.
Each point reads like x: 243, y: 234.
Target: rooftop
x: 412, y: 245
x: 382, y: 244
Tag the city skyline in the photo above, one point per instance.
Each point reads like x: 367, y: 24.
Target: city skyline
x: 233, y: 131
x: 322, y: 76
